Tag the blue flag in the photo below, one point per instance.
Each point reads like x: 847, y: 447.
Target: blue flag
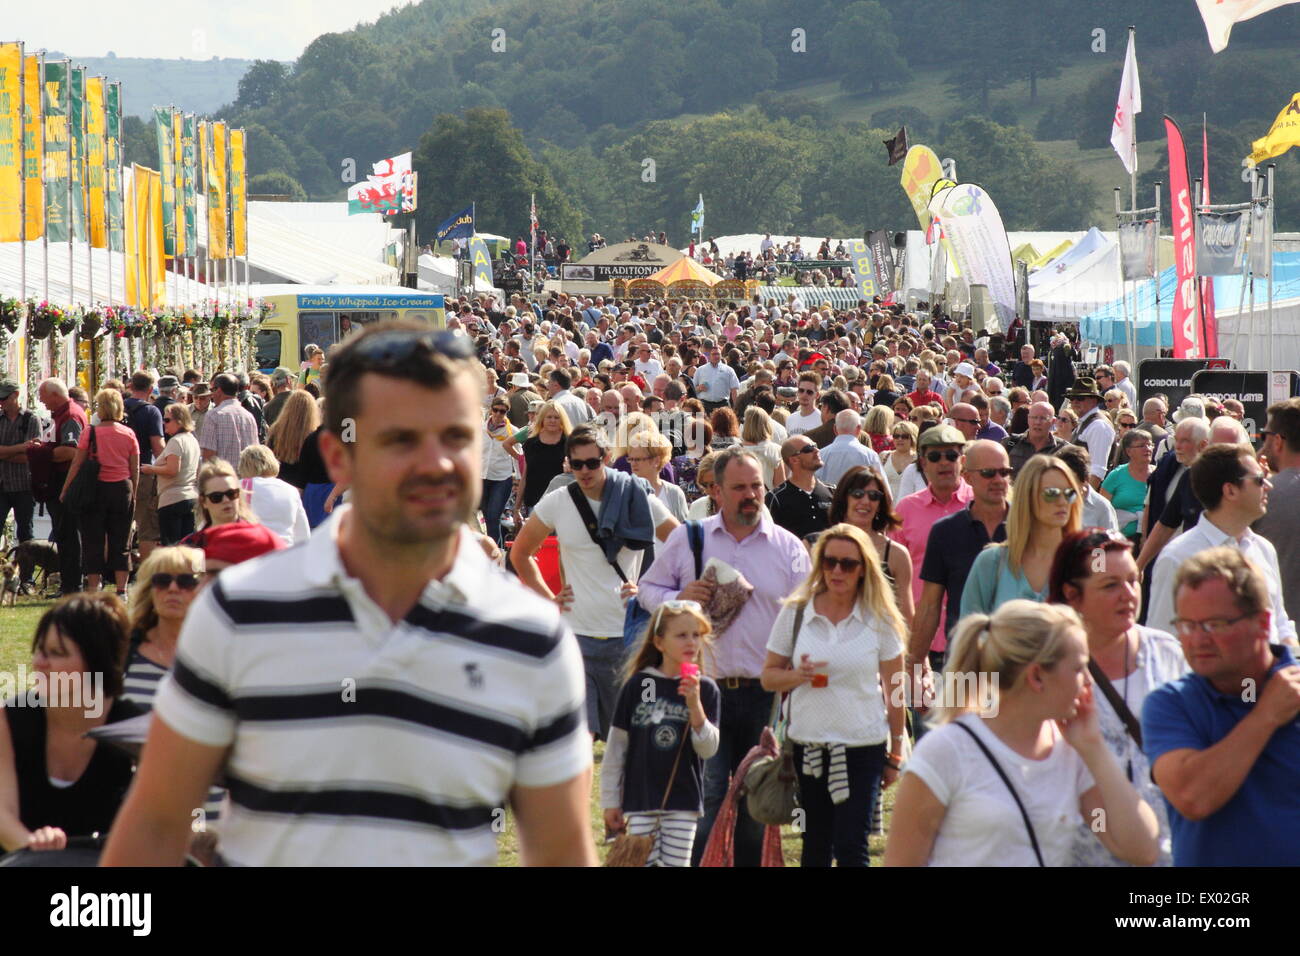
x: 459, y: 226
x: 697, y: 217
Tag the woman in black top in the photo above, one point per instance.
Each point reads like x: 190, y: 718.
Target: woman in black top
x: 54, y: 782
x: 544, y: 451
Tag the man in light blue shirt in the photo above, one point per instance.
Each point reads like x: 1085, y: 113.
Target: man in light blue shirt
x: 715, y: 383
x: 846, y: 451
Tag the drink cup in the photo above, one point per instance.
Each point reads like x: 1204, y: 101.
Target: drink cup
x: 690, y: 670
x: 820, y: 680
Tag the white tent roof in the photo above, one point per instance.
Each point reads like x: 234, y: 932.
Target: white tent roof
x: 1078, y: 283
x: 438, y: 274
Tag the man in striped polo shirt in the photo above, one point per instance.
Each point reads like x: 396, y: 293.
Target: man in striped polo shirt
x: 380, y: 694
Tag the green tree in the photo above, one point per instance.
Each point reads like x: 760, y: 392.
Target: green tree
x: 139, y: 142
x: 751, y: 181
x: 864, y: 50
x: 264, y: 81
x: 480, y: 157
x: 276, y: 183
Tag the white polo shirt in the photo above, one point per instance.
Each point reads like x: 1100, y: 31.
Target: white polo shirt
x: 356, y: 741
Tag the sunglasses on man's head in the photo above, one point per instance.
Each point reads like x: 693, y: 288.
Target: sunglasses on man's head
x: 186, y: 582
x: 578, y: 464
x: 216, y: 497
x: 934, y: 456
x: 398, y: 345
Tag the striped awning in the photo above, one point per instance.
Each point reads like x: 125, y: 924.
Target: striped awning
x: 812, y: 296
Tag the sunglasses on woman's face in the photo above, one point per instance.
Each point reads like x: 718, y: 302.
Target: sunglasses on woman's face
x: 1054, y: 494
x: 186, y: 582
x: 848, y: 564
x: 216, y: 497
x: 872, y: 494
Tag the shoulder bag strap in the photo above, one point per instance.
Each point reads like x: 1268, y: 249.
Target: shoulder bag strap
x: 1116, y: 702
x: 695, y: 535
x: 672, y: 777
x: 780, y: 701
x: 94, y: 447
x: 1033, y: 837
x: 589, y: 520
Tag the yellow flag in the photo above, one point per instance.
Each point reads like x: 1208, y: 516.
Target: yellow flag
x: 238, y: 194
x: 1284, y: 133
x: 218, y: 194
x: 146, y: 265
x: 33, y: 158
x: 11, y: 131
x: 133, y: 238
x: 96, y: 168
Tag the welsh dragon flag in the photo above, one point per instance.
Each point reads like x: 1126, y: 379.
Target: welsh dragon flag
x: 390, y: 190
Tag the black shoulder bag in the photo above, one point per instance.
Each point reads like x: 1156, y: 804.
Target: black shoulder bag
x: 635, y: 617
x: 81, y: 492
x: 1033, y: 837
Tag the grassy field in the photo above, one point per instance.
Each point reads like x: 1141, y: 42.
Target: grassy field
x: 17, y: 625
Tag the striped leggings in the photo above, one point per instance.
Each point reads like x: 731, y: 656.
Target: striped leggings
x: 673, y: 832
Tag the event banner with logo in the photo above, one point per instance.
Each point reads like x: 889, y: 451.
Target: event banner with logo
x: 1137, y: 249
x: 218, y: 224
x: 1188, y: 335
x: 974, y: 229
x: 146, y: 283
x: 883, y: 259
x: 178, y: 179
x: 33, y: 158
x: 1220, y: 243
x: 238, y: 194
x: 190, y: 174
x: 113, y: 161
x: 96, y: 198
x: 1172, y: 378
x: 77, y: 147
x: 864, y: 270
x: 482, y: 261
x: 1249, y: 388
x: 162, y: 119
x: 54, y: 90
x: 11, y: 132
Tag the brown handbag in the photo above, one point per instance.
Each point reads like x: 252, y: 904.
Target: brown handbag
x: 631, y: 850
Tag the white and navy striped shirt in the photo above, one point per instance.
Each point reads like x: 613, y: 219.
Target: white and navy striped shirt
x: 354, y: 741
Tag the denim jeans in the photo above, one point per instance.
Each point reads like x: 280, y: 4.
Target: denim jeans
x: 839, y: 830
x: 602, y: 660
x: 24, y: 506
x: 495, y: 496
x: 745, y: 711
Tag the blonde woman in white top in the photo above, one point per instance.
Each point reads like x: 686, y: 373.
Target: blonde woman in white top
x: 1037, y: 744
x: 837, y: 647
x: 895, y: 461
x: 756, y: 434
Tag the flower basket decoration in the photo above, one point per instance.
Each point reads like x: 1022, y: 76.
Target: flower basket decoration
x: 11, y: 314
x: 91, y: 323
x: 68, y: 323
x: 44, y: 319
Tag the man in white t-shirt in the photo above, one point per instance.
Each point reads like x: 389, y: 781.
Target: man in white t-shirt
x: 807, y: 416
x: 593, y: 599
x: 647, y: 366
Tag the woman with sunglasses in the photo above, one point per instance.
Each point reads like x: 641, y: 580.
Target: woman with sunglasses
x: 897, y: 460
x: 1094, y: 573
x: 177, y: 472
x: 837, y: 648
x: 863, y: 499
x: 1125, y: 421
x: 1045, y: 506
x: 1126, y: 485
x: 166, y: 583
x: 1066, y: 423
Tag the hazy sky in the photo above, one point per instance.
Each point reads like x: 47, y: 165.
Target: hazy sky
x: 193, y: 29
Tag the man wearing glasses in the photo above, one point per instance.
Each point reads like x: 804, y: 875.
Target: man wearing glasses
x: 1038, y: 440
x: 377, y: 694
x: 1224, y: 741
x: 801, y: 503
x: 1233, y: 487
x: 807, y: 416
x: 593, y: 600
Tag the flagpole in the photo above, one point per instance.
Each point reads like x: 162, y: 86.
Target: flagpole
x: 1268, y: 248
x: 45, y: 233
x: 1132, y: 176
x: 108, y: 214
x: 1157, y: 268
x: 85, y: 190
x: 532, y: 242
x: 22, y: 169
x: 67, y: 78
x: 121, y: 192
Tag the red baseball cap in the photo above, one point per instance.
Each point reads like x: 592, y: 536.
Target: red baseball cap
x: 237, y: 542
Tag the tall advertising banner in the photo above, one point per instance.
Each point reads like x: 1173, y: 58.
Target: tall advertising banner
x: 96, y: 177
x: 33, y: 158
x: 54, y: 104
x: 864, y: 271
x: 133, y: 250
x: 482, y: 262
x: 1188, y: 339
x: 1209, y: 326
x: 146, y: 282
x: 238, y: 193
x: 921, y: 179
x: 178, y: 179
x: 218, y: 248
x: 77, y: 141
x: 189, y: 179
x: 974, y: 229
x: 162, y: 118
x: 883, y: 259
x: 11, y: 131
x: 113, y: 161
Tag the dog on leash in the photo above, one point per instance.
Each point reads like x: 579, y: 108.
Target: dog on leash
x: 9, y: 589
x: 34, y: 554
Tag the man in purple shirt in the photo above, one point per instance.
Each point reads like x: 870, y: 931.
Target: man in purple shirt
x: 775, y: 562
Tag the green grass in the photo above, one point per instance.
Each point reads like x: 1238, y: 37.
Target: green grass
x: 17, y: 625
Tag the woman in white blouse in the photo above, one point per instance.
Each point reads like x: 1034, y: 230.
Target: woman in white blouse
x: 836, y: 646
x: 895, y: 461
x: 1009, y: 786
x: 1094, y: 573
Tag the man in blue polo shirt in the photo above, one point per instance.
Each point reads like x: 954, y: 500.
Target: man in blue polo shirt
x: 1224, y: 741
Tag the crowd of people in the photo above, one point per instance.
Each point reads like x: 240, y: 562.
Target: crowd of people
x: 926, y: 558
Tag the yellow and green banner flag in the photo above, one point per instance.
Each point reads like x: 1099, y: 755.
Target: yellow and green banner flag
x: 113, y: 164
x: 96, y: 163
x: 33, y: 158
x: 218, y: 195
x: 77, y: 141
x: 11, y: 131
x: 238, y: 194
x: 162, y: 117
x: 54, y: 104
x: 190, y: 176
x: 178, y: 179
x: 146, y: 277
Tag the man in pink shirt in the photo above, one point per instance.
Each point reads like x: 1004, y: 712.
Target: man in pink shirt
x: 940, y: 456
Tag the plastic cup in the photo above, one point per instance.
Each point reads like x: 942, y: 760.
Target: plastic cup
x: 820, y: 680
x: 690, y: 670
